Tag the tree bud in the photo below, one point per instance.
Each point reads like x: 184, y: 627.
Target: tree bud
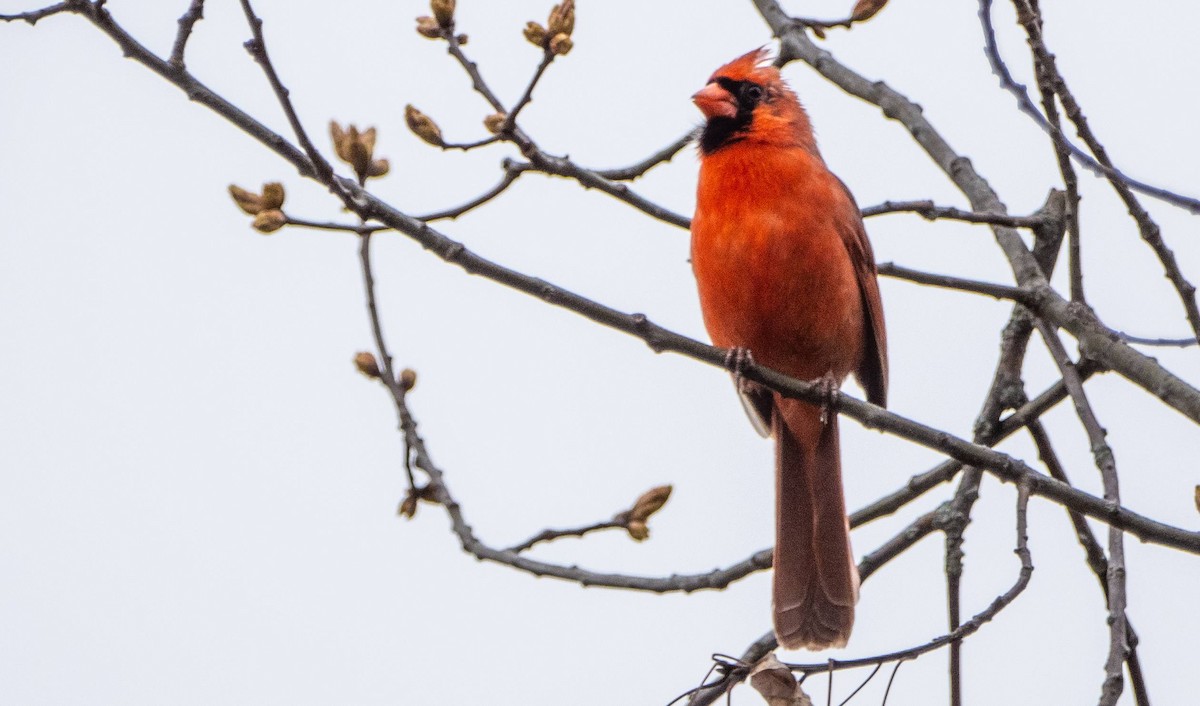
x: 269, y: 221
x: 561, y: 45
x: 535, y: 33
x: 366, y: 364
x: 378, y: 168
x: 271, y: 198
x: 443, y: 11
x: 494, y: 121
x: 423, y: 126
x: 649, y: 503
x: 562, y: 19
x: 429, y: 27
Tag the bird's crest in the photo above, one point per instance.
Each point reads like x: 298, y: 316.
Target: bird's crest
x: 751, y: 66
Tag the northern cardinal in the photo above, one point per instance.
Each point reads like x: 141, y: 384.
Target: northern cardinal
x: 786, y: 273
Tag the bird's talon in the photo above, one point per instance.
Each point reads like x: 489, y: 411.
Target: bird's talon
x: 828, y: 387
x: 737, y: 360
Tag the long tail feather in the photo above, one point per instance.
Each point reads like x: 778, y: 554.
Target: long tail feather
x: 816, y: 580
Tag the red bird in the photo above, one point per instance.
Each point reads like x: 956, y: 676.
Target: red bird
x: 785, y: 271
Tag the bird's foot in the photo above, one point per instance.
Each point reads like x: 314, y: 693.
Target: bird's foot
x: 828, y: 385
x: 736, y: 362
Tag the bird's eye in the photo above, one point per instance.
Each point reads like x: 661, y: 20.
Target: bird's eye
x: 752, y: 92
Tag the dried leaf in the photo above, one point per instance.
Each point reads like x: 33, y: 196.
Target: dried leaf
x: 866, y: 9
x: 775, y: 683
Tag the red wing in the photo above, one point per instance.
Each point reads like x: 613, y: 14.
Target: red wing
x: 872, y: 372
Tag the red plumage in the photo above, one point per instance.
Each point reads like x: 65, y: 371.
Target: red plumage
x: 785, y: 270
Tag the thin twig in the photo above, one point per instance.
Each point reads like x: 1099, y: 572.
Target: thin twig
x: 1026, y: 106
x: 932, y: 212
x: 1046, y: 73
x: 1165, y: 342
x: 468, y: 146
x: 1006, y: 392
x: 356, y: 228
x: 257, y: 47
x: 1118, y: 645
x: 1030, y: 18
x: 452, y: 213
x: 32, y: 16
x: 187, y: 22
x: 1094, y: 556
x: 511, y: 119
x: 996, y: 291
x: 454, y: 48
x: 891, y: 679
x: 636, y: 170
x: 540, y: 161
x: 549, y: 535
x: 544, y: 162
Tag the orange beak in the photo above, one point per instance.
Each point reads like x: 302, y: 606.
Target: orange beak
x: 715, y: 102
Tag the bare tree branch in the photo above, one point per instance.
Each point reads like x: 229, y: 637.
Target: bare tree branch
x: 527, y: 96
x: 1118, y: 647
x: 1036, y: 303
x: 1164, y: 342
x: 634, y: 171
x: 996, y: 291
x: 932, y: 212
x: 1094, y: 555
x: 187, y: 22
x: 1025, y: 104
x: 506, y: 181
x: 1096, y: 339
x: 1093, y: 337
x: 1054, y: 84
x: 563, y: 167
x: 734, y: 671
x: 33, y: 16
x: 258, y: 49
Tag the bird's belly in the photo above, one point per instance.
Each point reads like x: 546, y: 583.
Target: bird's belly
x: 792, y: 299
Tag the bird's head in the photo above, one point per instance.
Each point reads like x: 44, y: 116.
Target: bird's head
x: 747, y: 100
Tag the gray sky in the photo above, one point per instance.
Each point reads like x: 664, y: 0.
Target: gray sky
x: 198, y: 493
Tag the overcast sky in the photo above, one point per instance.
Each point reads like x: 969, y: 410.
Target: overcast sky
x: 198, y: 493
